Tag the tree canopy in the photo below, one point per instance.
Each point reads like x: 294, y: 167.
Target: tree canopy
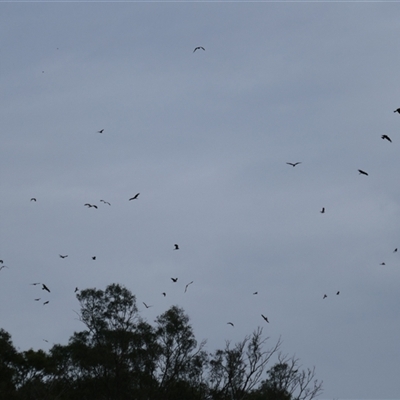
x: 120, y: 356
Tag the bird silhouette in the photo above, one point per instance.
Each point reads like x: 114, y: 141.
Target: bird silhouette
x: 198, y: 48
x: 90, y: 205
x: 146, y: 305
x: 325, y: 296
x: 44, y: 287
x: 46, y: 302
x: 188, y: 285
x: 100, y: 131
x: 164, y: 294
x: 105, y: 202
x: 265, y: 318
x: 230, y: 323
x: 387, y: 138
x: 398, y: 110
x: 395, y: 250
x: 76, y: 290
x: 337, y: 293
x: 255, y: 293
x: 293, y: 164
x: 323, y: 210
x: 382, y: 263
x: 3, y: 266
x: 1, y: 261
x: 94, y: 258
x: 176, y: 247
x: 33, y: 199
x: 36, y: 283
x: 61, y: 256
x: 37, y: 299
x: 362, y: 172
x: 174, y: 279
x: 134, y: 197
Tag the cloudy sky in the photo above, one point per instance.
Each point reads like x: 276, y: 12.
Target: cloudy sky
x: 205, y: 138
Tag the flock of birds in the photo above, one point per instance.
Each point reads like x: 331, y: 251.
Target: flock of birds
x: 45, y: 288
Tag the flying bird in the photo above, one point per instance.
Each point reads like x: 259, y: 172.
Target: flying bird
x: 100, y: 131
x: 265, y: 318
x: 398, y: 110
x: 3, y: 266
x: 134, y: 197
x: 387, y: 138
x: 382, y: 263
x: 61, y: 256
x: 337, y: 293
x: 76, y: 290
x: 90, y: 205
x: 105, y: 202
x: 164, y: 294
x: 362, y: 172
x: 1, y: 261
x: 44, y: 287
x: 255, y: 293
x: 94, y: 258
x: 146, y: 305
x: 325, y: 296
x: 174, y: 279
x: 176, y: 247
x: 37, y: 299
x: 33, y: 199
x: 323, y: 210
x: 188, y: 285
x: 230, y: 323
x: 395, y: 250
x: 46, y: 302
x: 36, y: 283
x: 293, y: 164
x: 198, y: 48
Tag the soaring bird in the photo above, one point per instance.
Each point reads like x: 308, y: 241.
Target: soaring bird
x: 46, y: 302
x: 337, y: 293
x: 325, y: 296
x: 146, y: 305
x: 255, y: 293
x: 1, y: 261
x: 188, y: 285
x: 33, y: 199
x: 198, y: 48
x: 293, y: 164
x: 94, y: 258
x: 323, y: 210
x: 44, y: 287
x: 230, y: 323
x: 398, y: 110
x: 36, y: 283
x: 176, y: 247
x: 37, y: 299
x: 395, y: 250
x: 90, y: 205
x: 134, y: 197
x: 164, y: 294
x: 387, y: 138
x: 105, y: 202
x: 265, y: 318
x: 362, y: 172
x: 100, y: 131
x: 3, y: 266
x: 382, y: 263
x: 76, y: 290
x: 174, y: 279
x: 61, y: 256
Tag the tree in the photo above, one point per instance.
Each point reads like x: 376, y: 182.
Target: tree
x: 286, y: 382
x: 234, y: 372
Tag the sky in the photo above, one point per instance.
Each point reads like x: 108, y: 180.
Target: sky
x: 205, y: 138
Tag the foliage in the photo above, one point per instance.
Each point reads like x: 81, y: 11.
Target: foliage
x: 119, y: 356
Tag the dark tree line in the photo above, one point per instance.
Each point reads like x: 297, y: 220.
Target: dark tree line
x: 119, y: 356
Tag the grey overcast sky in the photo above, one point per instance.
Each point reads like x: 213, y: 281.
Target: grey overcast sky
x: 204, y: 137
